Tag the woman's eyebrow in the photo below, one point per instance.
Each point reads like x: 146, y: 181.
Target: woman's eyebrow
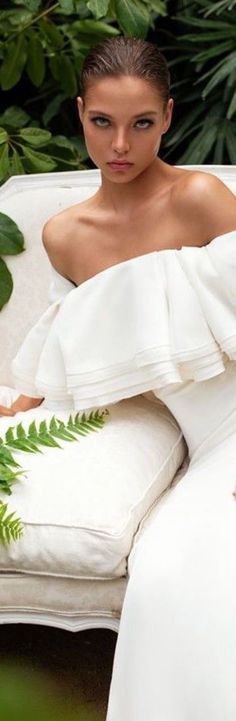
x: 145, y: 112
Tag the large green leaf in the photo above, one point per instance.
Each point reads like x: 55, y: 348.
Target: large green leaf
x: 210, y: 36
x: 19, y: 16
x: 53, y: 108
x: 219, y: 146
x: 90, y: 27
x: 32, y: 5
x: 79, y: 143
x: 68, y: 6
x: 35, y: 136
x: 214, y: 51
x: 63, y: 71
x: 67, y: 75
x: 54, y: 64
x: 230, y: 138
x: 3, y: 136
x: 13, y: 63
x: 60, y: 141
x: 180, y: 130
x: 200, y: 147
x: 227, y: 65
x: 6, y: 283
x: 232, y: 106
x: 132, y: 18
x: 11, y: 237
x: 98, y: 8
x: 202, y: 23
x: 40, y: 162
x: 16, y: 166
x: 219, y: 7
x: 4, y: 161
x: 14, y: 117
x: 52, y: 34
x: 36, y: 63
x: 159, y: 6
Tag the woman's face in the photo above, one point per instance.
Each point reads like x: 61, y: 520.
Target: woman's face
x: 123, y: 119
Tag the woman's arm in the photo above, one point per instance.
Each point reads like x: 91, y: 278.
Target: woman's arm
x: 21, y: 404
x: 207, y: 206
x: 54, y: 234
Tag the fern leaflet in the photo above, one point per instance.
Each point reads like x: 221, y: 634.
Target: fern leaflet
x: 30, y: 440
x: 11, y: 528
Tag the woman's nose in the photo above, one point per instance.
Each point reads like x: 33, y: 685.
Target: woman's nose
x: 120, y: 143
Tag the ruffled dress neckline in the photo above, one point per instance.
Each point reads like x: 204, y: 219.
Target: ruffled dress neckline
x: 164, y: 317
x: 152, y: 252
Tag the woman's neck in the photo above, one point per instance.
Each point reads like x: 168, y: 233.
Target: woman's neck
x: 126, y: 197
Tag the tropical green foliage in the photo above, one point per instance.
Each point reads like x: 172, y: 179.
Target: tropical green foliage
x: 42, y: 47
x: 21, y: 143
x: 11, y: 528
x: 11, y: 243
x: 202, y: 55
x: 30, y: 440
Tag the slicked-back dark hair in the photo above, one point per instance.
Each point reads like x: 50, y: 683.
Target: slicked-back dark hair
x: 131, y: 56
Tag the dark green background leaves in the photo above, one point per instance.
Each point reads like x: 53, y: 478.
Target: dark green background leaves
x: 42, y: 46
x: 11, y: 243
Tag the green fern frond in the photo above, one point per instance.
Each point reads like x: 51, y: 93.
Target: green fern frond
x: 21, y: 440
x: 30, y: 440
x: 11, y: 528
x: 6, y: 457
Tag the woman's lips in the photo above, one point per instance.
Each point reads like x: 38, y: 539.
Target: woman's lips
x: 120, y: 166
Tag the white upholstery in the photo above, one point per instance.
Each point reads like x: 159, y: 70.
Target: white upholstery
x: 81, y: 506
x: 110, y: 493
x: 30, y: 207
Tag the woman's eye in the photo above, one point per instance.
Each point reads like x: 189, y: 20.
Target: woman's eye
x: 145, y: 123
x: 100, y: 122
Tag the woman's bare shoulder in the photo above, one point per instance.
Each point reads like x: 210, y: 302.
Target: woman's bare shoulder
x: 205, y: 202
x: 60, y: 233
x: 63, y: 224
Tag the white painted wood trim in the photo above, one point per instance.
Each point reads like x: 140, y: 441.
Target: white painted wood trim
x: 66, y: 623
x: 69, y: 179
x: 78, y: 178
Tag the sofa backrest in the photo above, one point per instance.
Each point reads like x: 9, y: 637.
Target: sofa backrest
x: 30, y: 201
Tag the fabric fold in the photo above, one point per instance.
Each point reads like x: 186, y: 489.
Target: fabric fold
x: 160, y: 318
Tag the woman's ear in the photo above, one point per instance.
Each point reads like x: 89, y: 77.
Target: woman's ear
x: 168, y: 115
x: 80, y: 107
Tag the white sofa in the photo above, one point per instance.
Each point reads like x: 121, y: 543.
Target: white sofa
x: 70, y: 569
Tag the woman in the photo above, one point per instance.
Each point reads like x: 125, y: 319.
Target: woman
x: 162, y: 239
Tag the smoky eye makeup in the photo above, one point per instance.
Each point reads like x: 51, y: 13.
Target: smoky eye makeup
x: 146, y: 121
x: 99, y: 118
x: 102, y: 122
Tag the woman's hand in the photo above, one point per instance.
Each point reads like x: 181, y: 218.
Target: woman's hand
x: 24, y: 403
x: 4, y: 411
x: 21, y: 404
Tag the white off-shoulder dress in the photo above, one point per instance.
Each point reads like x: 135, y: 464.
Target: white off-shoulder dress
x: 163, y: 322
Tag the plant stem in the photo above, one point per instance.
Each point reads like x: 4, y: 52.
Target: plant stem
x: 29, y: 24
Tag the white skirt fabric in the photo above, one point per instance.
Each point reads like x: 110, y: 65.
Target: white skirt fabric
x: 175, y: 657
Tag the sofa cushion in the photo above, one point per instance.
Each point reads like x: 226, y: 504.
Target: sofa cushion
x: 82, y: 504
x: 64, y: 602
